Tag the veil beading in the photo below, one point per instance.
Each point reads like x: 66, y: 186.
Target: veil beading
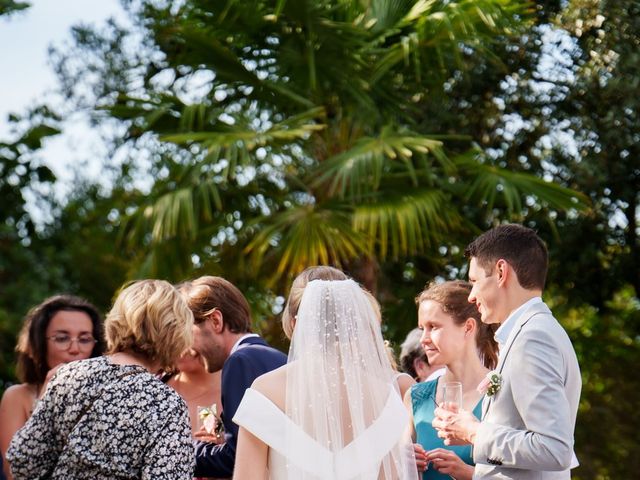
x: 347, y: 418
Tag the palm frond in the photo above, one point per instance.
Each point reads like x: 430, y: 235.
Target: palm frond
x: 221, y: 59
x: 178, y: 213
x: 406, y: 224
x: 168, y: 260
x: 490, y: 184
x: 360, y: 169
x: 237, y: 144
x: 305, y: 235
x: 430, y: 35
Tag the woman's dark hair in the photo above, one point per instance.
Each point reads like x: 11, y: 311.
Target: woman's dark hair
x: 32, y: 343
x: 453, y: 298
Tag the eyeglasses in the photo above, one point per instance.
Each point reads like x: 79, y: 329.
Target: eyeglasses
x: 63, y: 342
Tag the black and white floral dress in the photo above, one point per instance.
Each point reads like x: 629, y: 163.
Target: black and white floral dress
x: 99, y: 420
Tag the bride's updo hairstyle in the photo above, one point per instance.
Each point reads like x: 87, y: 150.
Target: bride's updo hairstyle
x: 453, y: 299
x: 297, y: 289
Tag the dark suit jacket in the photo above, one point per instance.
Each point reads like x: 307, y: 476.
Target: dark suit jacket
x: 252, y: 358
x: 2, y: 477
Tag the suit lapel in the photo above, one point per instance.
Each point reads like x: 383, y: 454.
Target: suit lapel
x: 527, y: 315
x: 486, y: 400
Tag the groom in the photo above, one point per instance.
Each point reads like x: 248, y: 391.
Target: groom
x: 527, y: 426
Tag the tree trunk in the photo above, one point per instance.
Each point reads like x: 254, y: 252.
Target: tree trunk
x: 365, y: 270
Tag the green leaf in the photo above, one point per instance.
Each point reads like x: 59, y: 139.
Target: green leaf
x: 405, y: 224
x: 490, y: 184
x: 302, y: 236
x: 360, y: 169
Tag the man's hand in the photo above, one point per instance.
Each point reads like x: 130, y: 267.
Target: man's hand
x: 455, y: 427
x: 205, y: 436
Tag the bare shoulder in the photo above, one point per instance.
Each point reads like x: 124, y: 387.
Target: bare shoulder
x: 15, y: 409
x: 21, y: 395
x: 272, y: 385
x: 404, y: 382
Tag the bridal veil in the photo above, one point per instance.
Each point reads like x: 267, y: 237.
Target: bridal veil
x: 347, y: 420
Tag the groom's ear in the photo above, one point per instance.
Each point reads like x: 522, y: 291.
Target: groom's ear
x: 503, y: 271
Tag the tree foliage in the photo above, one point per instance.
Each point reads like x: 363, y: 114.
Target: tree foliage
x: 309, y: 111
x: 256, y: 138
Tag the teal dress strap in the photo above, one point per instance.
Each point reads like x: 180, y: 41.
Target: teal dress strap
x: 423, y: 401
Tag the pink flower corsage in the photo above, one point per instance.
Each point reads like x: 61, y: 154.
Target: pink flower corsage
x: 491, y: 384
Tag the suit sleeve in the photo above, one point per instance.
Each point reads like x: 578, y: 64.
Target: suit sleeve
x: 218, y: 460
x: 537, y: 384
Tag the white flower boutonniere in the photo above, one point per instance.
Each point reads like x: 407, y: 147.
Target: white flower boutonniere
x: 491, y: 384
x: 210, y: 419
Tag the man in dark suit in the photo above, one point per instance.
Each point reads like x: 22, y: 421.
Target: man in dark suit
x: 222, y: 336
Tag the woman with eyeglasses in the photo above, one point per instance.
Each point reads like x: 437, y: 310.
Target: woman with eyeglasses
x: 111, y: 417
x: 60, y: 330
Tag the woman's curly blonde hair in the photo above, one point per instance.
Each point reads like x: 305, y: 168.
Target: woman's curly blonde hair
x: 150, y: 318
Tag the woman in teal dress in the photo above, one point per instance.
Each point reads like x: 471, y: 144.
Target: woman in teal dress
x: 453, y: 335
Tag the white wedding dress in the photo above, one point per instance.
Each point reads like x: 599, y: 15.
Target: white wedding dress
x: 343, y: 418
x: 291, y: 448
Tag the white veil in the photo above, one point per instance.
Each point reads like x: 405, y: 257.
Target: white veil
x: 348, y: 420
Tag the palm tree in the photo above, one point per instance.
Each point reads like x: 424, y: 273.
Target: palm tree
x: 304, y: 147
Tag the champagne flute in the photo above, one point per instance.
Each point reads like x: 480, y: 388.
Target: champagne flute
x: 452, y: 396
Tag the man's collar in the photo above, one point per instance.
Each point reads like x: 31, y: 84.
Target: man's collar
x: 239, y: 341
x: 502, y: 334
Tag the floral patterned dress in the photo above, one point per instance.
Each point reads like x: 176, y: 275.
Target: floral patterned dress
x: 99, y: 420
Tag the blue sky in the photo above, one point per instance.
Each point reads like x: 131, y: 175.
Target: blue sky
x: 27, y: 77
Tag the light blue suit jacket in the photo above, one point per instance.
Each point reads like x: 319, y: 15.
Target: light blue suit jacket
x: 527, y: 427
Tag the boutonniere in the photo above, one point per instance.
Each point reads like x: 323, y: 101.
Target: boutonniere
x: 491, y: 384
x: 211, y: 420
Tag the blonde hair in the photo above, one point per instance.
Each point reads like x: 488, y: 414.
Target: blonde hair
x: 297, y: 289
x: 152, y: 319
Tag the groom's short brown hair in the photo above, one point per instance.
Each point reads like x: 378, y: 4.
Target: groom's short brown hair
x: 519, y: 246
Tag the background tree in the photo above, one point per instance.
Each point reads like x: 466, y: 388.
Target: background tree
x: 297, y: 136
x: 306, y: 123
x: 10, y: 6
x: 255, y: 138
x: 22, y: 277
x: 569, y: 112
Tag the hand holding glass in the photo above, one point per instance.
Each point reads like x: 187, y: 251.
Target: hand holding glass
x: 452, y: 396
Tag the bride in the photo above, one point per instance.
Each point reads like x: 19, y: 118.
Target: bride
x: 334, y: 411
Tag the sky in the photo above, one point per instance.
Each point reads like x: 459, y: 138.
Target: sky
x: 27, y: 77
